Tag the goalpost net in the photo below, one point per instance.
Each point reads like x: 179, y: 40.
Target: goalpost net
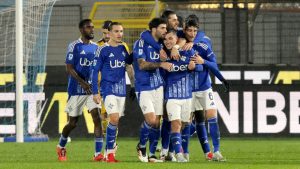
x: 36, y: 19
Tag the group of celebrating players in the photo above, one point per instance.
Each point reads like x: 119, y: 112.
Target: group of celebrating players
x: 169, y: 73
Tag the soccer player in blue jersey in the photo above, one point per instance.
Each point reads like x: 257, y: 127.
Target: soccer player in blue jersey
x: 79, y: 59
x: 149, y: 88
x: 202, y: 92
x: 111, y: 60
x: 178, y: 94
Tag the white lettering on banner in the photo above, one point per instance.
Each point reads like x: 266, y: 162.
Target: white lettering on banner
x: 263, y: 112
x: 248, y: 112
x: 230, y: 118
x: 257, y: 76
x: 294, y: 112
x: 7, y: 112
x: 33, y: 116
x: 33, y: 120
x: 229, y: 75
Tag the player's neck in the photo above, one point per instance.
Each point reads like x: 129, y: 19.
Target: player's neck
x: 86, y: 41
x: 154, y: 37
x: 113, y: 43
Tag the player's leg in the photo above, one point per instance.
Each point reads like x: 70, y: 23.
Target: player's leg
x: 145, y: 99
x: 200, y: 124
x: 74, y: 109
x: 158, y: 98
x: 95, y: 110
x: 185, y: 129
x: 111, y: 106
x: 165, y: 134
x: 212, y: 119
x: 174, y: 113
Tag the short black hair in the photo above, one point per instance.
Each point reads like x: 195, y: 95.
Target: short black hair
x: 193, y: 18
x: 112, y: 24
x: 84, y: 22
x: 155, y: 22
x: 106, y: 24
x: 165, y: 15
x: 190, y: 23
x: 173, y: 31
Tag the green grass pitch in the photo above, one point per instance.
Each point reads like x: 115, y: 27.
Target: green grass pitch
x: 240, y: 153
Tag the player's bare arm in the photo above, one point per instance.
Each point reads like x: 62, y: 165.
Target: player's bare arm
x: 144, y: 65
x: 130, y: 73
x: 86, y: 87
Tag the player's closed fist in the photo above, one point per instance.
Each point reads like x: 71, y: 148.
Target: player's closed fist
x: 198, y: 59
x: 166, y: 65
x: 86, y: 87
x: 163, y: 55
x: 175, y: 54
x: 191, y: 65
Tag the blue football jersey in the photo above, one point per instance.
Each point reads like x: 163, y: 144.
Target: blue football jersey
x: 146, y: 79
x: 81, y: 56
x: 178, y: 80
x: 202, y: 79
x: 111, y: 61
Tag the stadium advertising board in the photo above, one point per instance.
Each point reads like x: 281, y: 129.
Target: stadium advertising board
x: 263, y: 101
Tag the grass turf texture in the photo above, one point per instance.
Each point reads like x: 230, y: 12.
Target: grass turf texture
x: 240, y: 153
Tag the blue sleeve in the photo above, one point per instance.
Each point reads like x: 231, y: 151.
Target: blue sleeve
x: 128, y: 57
x: 199, y: 37
x: 199, y: 68
x: 97, y: 66
x: 71, y: 53
x: 138, y: 50
x: 212, y: 65
x: 147, y: 37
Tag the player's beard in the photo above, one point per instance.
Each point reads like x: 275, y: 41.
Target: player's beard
x: 89, y: 37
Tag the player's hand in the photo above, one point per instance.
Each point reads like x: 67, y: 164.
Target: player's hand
x: 175, y: 54
x: 188, y: 46
x: 226, y: 86
x: 86, y: 87
x: 167, y: 66
x: 163, y: 55
x: 132, y: 93
x: 198, y: 59
x: 191, y: 65
x: 97, y: 98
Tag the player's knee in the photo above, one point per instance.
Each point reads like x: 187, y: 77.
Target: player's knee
x: 176, y: 126
x: 211, y: 113
x: 72, y: 124
x: 114, y: 119
x: 199, y: 116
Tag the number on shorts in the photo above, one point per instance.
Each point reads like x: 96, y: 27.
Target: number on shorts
x: 210, y: 95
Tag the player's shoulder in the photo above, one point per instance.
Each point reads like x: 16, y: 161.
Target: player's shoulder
x: 72, y: 45
x: 102, y: 48
x: 94, y: 43
x: 140, y: 42
x: 202, y: 45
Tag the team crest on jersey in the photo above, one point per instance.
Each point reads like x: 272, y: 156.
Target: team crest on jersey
x: 140, y: 51
x: 111, y: 55
x: 183, y: 58
x: 70, y: 57
x: 82, y: 52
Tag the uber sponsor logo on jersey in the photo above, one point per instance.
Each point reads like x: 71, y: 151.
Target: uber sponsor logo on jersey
x: 85, y: 62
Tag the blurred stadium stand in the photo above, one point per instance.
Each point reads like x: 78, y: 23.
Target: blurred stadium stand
x: 261, y: 33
